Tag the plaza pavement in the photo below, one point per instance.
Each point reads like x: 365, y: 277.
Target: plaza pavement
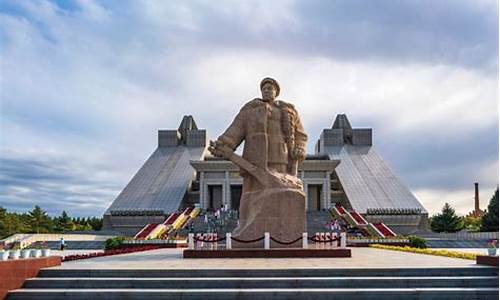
x: 361, y: 258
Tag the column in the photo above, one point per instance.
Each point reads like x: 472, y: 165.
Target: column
x: 328, y: 190
x: 202, y: 191
x: 205, y: 195
x: 307, y: 195
x: 227, y: 190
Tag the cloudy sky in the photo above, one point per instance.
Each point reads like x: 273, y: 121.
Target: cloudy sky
x: 86, y: 84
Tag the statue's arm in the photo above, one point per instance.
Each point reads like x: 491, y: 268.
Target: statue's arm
x: 300, y: 139
x: 235, y: 133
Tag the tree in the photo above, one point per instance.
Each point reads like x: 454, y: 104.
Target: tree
x: 39, y: 221
x: 87, y: 227
x: 490, y: 219
x: 447, y: 220
x: 3, y: 219
x: 472, y: 223
x: 64, y: 222
x: 96, y: 223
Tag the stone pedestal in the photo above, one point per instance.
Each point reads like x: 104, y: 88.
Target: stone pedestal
x: 279, y: 211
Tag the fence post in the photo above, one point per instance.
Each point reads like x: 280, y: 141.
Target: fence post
x: 267, y: 242
x: 343, y: 240
x: 191, y: 241
x: 304, y: 240
x: 228, y: 241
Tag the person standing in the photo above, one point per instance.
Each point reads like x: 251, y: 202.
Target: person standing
x: 62, y: 244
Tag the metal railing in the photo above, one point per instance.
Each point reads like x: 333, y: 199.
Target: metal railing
x: 342, y: 240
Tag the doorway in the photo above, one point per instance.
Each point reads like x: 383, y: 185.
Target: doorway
x: 235, y: 197
x: 214, y: 196
x: 314, y: 196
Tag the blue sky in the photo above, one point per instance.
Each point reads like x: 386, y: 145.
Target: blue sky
x: 86, y: 84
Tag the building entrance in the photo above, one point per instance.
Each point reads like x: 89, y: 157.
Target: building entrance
x: 214, y: 196
x: 314, y: 196
x: 235, y: 197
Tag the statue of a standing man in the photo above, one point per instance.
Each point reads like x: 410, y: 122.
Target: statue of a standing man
x: 272, y: 130
x: 275, y: 142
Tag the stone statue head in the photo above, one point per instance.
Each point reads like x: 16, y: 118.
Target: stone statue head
x: 270, y: 89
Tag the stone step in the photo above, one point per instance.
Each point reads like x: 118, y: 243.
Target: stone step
x: 269, y: 282
x: 221, y: 294
x: 323, y: 272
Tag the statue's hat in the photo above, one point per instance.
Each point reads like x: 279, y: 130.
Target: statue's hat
x: 271, y: 81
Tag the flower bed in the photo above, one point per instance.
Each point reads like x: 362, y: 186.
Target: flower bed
x: 358, y: 218
x: 384, y: 229
x: 188, y: 210
x: 446, y: 253
x: 170, y: 220
x: 341, y: 209
x: 374, y: 231
x: 109, y: 252
x: 146, y: 231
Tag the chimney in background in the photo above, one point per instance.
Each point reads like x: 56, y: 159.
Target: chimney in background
x: 476, y: 197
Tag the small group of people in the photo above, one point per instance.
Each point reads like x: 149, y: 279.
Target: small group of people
x: 218, y: 213
x: 222, y: 209
x: 334, y: 226
x: 216, y: 220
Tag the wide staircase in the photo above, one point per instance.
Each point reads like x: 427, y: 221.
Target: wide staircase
x: 174, y: 223
x: 71, y: 245
x: 342, y: 283
x: 356, y: 220
x: 317, y: 220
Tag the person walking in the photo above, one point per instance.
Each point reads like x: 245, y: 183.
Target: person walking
x: 62, y: 244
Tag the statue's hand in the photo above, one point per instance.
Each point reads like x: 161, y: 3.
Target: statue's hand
x: 219, y: 149
x: 298, y: 153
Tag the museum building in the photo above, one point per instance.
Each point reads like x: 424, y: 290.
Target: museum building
x: 345, y: 169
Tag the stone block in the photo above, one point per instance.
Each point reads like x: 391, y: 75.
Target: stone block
x: 362, y: 137
x: 279, y: 211
x: 195, y: 138
x: 331, y: 137
x: 168, y: 138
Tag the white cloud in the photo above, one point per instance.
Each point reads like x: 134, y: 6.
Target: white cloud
x: 94, y: 84
x: 435, y: 100
x: 461, y: 200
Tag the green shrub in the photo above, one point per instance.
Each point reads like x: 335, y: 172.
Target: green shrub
x: 114, y: 243
x: 417, y: 242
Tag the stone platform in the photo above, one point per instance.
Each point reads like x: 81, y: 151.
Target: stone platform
x: 13, y: 272
x: 164, y: 274
x: 267, y: 253
x: 361, y: 258
x: 487, y: 260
